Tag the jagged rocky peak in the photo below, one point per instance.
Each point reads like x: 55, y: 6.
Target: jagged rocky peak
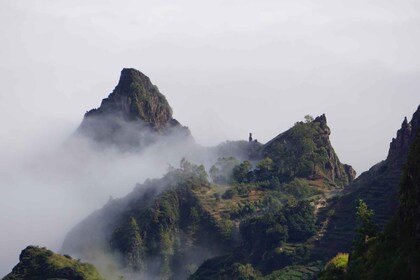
x: 134, y: 114
x: 405, y: 135
x: 135, y: 97
x: 322, y: 120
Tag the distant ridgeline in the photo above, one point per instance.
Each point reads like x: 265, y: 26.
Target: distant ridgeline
x: 278, y: 210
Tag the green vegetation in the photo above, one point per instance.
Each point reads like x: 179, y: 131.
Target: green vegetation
x: 305, y: 151
x: 41, y: 263
x: 294, y: 272
x: 221, y: 172
x: 394, y: 253
x: 298, y: 188
x: 366, y: 229
x: 130, y: 244
x: 308, y: 119
x: 167, y: 228
x: 336, y: 268
x: 258, y: 214
x: 263, y: 247
x: 242, y: 173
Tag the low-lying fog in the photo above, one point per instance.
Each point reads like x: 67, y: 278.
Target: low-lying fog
x: 226, y: 67
x: 52, y: 186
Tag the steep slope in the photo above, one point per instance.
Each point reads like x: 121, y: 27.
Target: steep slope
x: 161, y: 229
x: 395, y: 253
x: 306, y: 151
x: 167, y: 227
x: 40, y: 263
x: 135, y: 114
x: 378, y: 187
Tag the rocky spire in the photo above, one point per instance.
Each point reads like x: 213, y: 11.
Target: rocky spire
x: 405, y: 135
x: 136, y: 98
x: 135, y: 113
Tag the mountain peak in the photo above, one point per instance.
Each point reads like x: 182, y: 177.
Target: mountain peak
x: 321, y: 119
x: 136, y: 103
x: 135, y: 97
x: 131, y: 76
x: 305, y: 151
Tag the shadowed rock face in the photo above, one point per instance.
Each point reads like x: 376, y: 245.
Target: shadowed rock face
x: 409, y: 209
x: 405, y: 136
x: 378, y: 187
x: 134, y: 114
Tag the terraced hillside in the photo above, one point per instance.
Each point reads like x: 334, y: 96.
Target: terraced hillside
x: 167, y: 227
x: 378, y: 187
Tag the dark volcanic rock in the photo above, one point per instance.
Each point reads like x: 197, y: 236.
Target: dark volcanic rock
x: 134, y: 114
x: 405, y: 136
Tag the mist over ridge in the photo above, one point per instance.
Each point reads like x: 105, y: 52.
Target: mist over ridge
x: 227, y: 68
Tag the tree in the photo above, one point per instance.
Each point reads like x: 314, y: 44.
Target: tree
x: 135, y: 247
x: 264, y: 169
x: 241, y: 172
x: 336, y: 268
x: 186, y: 166
x: 364, y: 215
x: 366, y: 229
x: 221, y: 172
x: 309, y: 118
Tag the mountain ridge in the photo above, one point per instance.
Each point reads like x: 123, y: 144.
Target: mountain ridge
x: 261, y: 211
x: 378, y: 187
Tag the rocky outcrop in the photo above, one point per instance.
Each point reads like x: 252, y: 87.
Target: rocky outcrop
x: 405, y: 135
x: 351, y: 173
x: 305, y: 151
x: 134, y: 114
x: 41, y: 263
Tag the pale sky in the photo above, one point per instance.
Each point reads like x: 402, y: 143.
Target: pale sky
x: 226, y: 67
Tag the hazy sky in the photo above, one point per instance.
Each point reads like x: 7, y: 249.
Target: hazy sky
x: 227, y: 68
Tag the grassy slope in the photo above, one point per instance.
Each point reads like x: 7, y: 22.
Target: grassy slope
x: 41, y: 263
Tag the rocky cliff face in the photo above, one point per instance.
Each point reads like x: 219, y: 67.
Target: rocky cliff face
x: 378, y: 187
x: 409, y: 209
x: 134, y: 114
x: 394, y: 253
x: 405, y: 136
